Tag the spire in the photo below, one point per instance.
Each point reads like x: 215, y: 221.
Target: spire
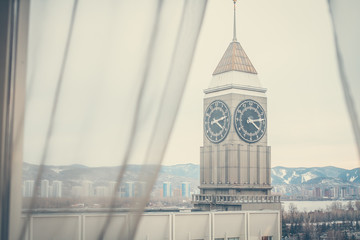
x: 235, y: 58
x: 234, y: 37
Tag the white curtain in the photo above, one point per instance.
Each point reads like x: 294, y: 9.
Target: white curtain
x: 105, y: 80
x: 345, y: 18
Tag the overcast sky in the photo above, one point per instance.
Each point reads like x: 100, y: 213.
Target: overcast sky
x: 289, y: 42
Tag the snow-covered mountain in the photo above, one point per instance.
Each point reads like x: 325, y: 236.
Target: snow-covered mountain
x: 74, y: 174
x: 191, y: 172
x: 314, y: 175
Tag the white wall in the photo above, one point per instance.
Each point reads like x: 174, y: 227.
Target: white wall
x: 247, y: 225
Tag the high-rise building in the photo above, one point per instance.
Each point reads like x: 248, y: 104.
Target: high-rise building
x: 327, y: 193
x: 44, y: 189
x: 57, y: 189
x: 317, y: 192
x: 112, y: 186
x: 344, y: 192
x: 140, y: 190
x: 129, y: 189
x: 337, y: 191
x: 176, y: 192
x: 88, y: 189
x: 28, y: 188
x: 51, y: 191
x: 185, y: 189
x: 101, y: 191
x: 167, y: 189
x: 77, y: 191
x: 235, y: 159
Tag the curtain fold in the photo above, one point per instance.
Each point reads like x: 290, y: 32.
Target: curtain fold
x: 345, y: 18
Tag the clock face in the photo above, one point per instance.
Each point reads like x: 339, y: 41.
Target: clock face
x: 250, y: 121
x: 217, y: 121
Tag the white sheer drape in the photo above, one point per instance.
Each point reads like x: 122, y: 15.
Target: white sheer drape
x: 105, y: 80
x: 345, y: 17
x: 122, y: 80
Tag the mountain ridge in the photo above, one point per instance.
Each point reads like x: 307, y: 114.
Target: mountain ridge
x: 191, y: 172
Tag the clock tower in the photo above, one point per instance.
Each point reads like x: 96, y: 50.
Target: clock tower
x: 235, y: 159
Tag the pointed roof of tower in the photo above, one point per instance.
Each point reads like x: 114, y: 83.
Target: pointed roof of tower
x: 235, y: 58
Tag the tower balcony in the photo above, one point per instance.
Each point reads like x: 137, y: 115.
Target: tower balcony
x: 233, y: 199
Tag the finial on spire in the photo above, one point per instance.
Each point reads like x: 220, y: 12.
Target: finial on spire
x: 234, y: 37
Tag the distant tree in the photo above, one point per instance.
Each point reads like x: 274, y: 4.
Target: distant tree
x: 307, y: 231
x: 323, y: 227
x: 357, y: 205
x: 293, y: 212
x: 357, y: 215
x: 299, y: 227
x: 285, y: 230
x: 331, y: 234
x: 349, y: 206
x: 339, y: 235
x: 307, y: 236
x: 292, y: 229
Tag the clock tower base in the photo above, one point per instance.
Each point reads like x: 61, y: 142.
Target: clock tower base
x: 235, y: 177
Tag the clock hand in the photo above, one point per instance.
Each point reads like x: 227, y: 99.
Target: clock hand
x: 219, y: 124
x: 217, y: 120
x: 222, y: 118
x: 257, y: 120
x: 255, y: 125
x: 249, y: 120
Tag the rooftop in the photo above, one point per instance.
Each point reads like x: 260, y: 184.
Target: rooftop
x: 234, y: 59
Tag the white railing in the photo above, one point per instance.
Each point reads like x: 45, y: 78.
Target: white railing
x: 234, y: 199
